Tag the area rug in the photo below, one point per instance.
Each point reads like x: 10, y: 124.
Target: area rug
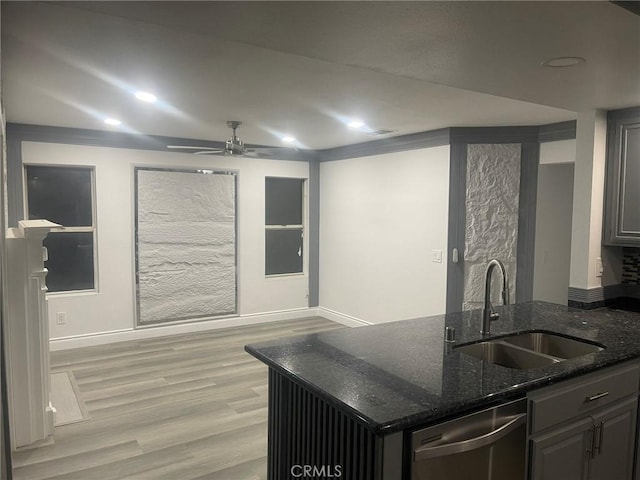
x: 65, y: 399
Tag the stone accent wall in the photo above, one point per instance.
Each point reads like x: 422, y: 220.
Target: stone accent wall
x: 493, y: 193
x: 186, y: 250
x: 631, y: 266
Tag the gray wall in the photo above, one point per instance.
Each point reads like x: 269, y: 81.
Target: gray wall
x: 553, y: 232
x: 5, y: 444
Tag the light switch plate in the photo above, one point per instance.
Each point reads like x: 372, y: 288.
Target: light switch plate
x: 436, y: 256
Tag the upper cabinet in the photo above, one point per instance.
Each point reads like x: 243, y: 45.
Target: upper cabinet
x: 622, y: 198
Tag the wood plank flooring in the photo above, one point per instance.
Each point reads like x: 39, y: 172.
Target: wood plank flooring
x: 182, y: 407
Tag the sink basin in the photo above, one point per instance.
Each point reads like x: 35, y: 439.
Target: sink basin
x: 529, y: 349
x: 552, y: 344
x: 501, y: 353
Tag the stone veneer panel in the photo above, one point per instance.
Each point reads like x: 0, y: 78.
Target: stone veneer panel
x: 186, y: 248
x: 492, y: 200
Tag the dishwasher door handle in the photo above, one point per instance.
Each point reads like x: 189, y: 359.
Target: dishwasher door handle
x: 423, y: 453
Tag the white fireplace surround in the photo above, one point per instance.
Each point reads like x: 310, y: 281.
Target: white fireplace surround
x: 31, y: 415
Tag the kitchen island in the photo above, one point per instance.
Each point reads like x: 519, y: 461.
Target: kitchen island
x: 348, y: 398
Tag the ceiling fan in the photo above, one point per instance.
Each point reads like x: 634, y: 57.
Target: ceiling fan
x: 234, y: 146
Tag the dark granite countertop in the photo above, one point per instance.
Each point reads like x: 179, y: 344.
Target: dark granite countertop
x: 399, y: 375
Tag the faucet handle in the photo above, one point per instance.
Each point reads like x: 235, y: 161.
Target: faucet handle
x: 449, y: 334
x: 505, y: 295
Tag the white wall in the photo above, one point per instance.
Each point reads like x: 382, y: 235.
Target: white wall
x: 554, y: 211
x: 553, y: 232
x: 380, y: 219
x: 111, y: 308
x: 560, y: 152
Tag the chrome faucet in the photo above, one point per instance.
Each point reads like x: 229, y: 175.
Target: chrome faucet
x: 487, y: 312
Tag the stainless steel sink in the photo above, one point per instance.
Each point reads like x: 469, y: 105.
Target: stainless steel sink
x: 529, y: 349
x: 501, y: 353
x: 553, y: 344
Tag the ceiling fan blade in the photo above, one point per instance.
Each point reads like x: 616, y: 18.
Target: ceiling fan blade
x: 192, y: 147
x: 210, y: 152
x: 233, y: 147
x: 255, y: 153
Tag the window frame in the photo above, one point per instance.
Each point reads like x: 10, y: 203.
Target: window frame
x: 302, y: 227
x: 89, y: 229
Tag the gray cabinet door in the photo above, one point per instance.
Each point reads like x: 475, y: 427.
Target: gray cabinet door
x: 630, y: 194
x: 622, y: 209
x: 563, y: 453
x: 614, y: 442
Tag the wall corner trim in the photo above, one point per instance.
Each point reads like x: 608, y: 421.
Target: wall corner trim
x: 555, y: 132
x: 476, y: 135
x: 623, y: 113
x: 413, y: 141
x: 314, y: 233
x: 100, y: 138
x: 529, y: 163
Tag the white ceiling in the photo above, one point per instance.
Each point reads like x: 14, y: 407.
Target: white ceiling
x: 301, y: 67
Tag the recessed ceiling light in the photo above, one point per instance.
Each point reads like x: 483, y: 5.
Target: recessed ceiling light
x: 146, y: 96
x: 288, y: 139
x: 112, y: 121
x: 563, y: 62
x: 355, y: 124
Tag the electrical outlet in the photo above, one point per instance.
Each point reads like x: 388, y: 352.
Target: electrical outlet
x: 61, y: 318
x: 599, y: 267
x: 436, y: 256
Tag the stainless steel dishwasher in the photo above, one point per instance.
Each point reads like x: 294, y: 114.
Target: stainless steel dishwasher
x: 486, y: 445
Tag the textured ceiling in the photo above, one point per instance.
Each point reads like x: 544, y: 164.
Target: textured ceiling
x: 302, y: 68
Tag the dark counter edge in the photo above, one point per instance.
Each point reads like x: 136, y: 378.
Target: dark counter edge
x: 433, y: 416
x: 368, y: 422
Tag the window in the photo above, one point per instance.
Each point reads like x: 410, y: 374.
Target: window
x: 185, y: 244
x: 284, y: 230
x: 64, y: 195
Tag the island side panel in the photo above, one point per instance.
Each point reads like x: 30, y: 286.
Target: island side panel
x: 306, y: 432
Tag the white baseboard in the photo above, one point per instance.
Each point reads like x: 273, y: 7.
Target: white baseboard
x: 341, y: 318
x: 102, y: 338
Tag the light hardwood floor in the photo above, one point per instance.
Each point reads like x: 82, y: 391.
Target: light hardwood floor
x: 181, y: 407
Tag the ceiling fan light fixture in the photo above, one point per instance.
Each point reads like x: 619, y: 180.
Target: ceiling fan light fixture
x: 146, y: 96
x: 560, y: 62
x: 288, y: 139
